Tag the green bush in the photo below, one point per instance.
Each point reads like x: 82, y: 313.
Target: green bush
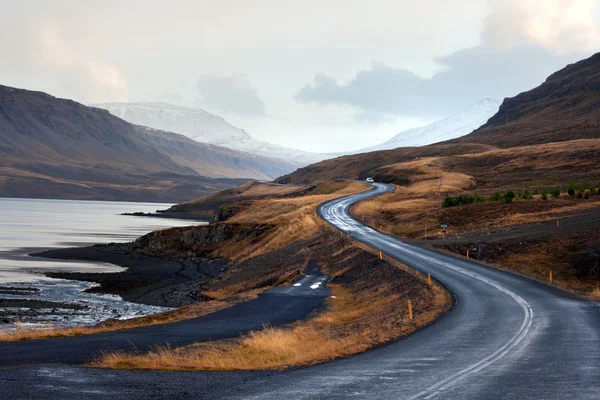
x: 461, y: 200
x: 555, y: 192
x: 527, y: 195
x: 509, y: 196
x: 571, y: 190
x: 496, y: 197
x: 545, y: 194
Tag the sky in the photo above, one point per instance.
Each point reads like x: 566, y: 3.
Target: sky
x: 323, y: 76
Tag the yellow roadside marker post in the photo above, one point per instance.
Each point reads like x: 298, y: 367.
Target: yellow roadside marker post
x: 380, y: 255
x: 429, y: 279
x: 550, y: 277
x: 410, y: 314
x: 467, y: 253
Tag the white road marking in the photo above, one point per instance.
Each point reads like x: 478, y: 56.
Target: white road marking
x: 297, y: 284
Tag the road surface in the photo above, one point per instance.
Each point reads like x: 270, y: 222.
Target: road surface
x: 277, y: 306
x: 507, y: 337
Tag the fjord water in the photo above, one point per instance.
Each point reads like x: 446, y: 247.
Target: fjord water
x: 32, y: 225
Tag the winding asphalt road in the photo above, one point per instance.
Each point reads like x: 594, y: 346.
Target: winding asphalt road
x: 506, y: 338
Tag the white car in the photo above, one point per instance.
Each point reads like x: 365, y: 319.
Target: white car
x: 370, y: 180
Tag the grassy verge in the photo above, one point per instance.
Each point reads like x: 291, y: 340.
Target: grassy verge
x: 369, y: 308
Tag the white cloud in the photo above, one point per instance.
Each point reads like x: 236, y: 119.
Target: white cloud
x: 562, y: 26
x: 68, y: 73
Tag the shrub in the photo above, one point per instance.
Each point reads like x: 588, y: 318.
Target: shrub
x: 579, y: 194
x: 509, y: 196
x: 545, y: 194
x: 555, y: 193
x: 586, y: 195
x: 571, y: 190
x: 496, y: 197
x: 461, y: 200
x: 527, y: 195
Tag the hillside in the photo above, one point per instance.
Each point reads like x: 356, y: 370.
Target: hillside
x: 565, y: 107
x: 205, y: 127
x: 52, y: 147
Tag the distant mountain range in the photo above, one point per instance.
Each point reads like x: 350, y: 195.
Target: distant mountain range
x: 445, y: 129
x: 51, y: 147
x: 205, y: 127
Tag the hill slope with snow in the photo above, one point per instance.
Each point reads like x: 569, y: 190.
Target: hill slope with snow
x: 204, y: 127
x: 445, y: 129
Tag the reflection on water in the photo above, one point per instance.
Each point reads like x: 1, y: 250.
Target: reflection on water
x: 31, y: 225
x: 28, y: 225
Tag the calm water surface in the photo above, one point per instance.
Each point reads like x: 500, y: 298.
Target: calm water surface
x: 31, y: 225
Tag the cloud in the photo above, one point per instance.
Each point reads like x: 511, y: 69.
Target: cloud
x: 45, y: 52
x: 522, y: 43
x: 467, y: 77
x: 561, y: 26
x: 230, y: 93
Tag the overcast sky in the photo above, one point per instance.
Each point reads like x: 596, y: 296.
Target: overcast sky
x: 325, y: 75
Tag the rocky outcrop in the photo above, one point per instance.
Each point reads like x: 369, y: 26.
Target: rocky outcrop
x: 197, y: 241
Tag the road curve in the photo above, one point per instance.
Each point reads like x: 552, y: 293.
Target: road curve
x: 507, y: 337
x: 278, y: 306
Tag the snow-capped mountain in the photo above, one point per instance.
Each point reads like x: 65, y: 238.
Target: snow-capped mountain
x: 444, y: 129
x: 204, y: 127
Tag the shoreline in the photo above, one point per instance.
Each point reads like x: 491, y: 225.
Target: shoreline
x: 164, y: 214
x: 147, y: 280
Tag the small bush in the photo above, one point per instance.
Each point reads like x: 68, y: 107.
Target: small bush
x: 545, y: 194
x: 496, y: 197
x: 509, y: 197
x: 527, y: 195
x: 586, y: 195
x: 461, y: 200
x: 571, y: 190
x: 580, y: 194
x: 555, y: 193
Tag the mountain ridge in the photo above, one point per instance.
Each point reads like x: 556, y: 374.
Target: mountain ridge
x: 204, y: 127
x: 48, y: 142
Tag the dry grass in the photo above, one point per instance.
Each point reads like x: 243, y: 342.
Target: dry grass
x: 369, y: 309
x: 349, y: 327
x: 293, y: 218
